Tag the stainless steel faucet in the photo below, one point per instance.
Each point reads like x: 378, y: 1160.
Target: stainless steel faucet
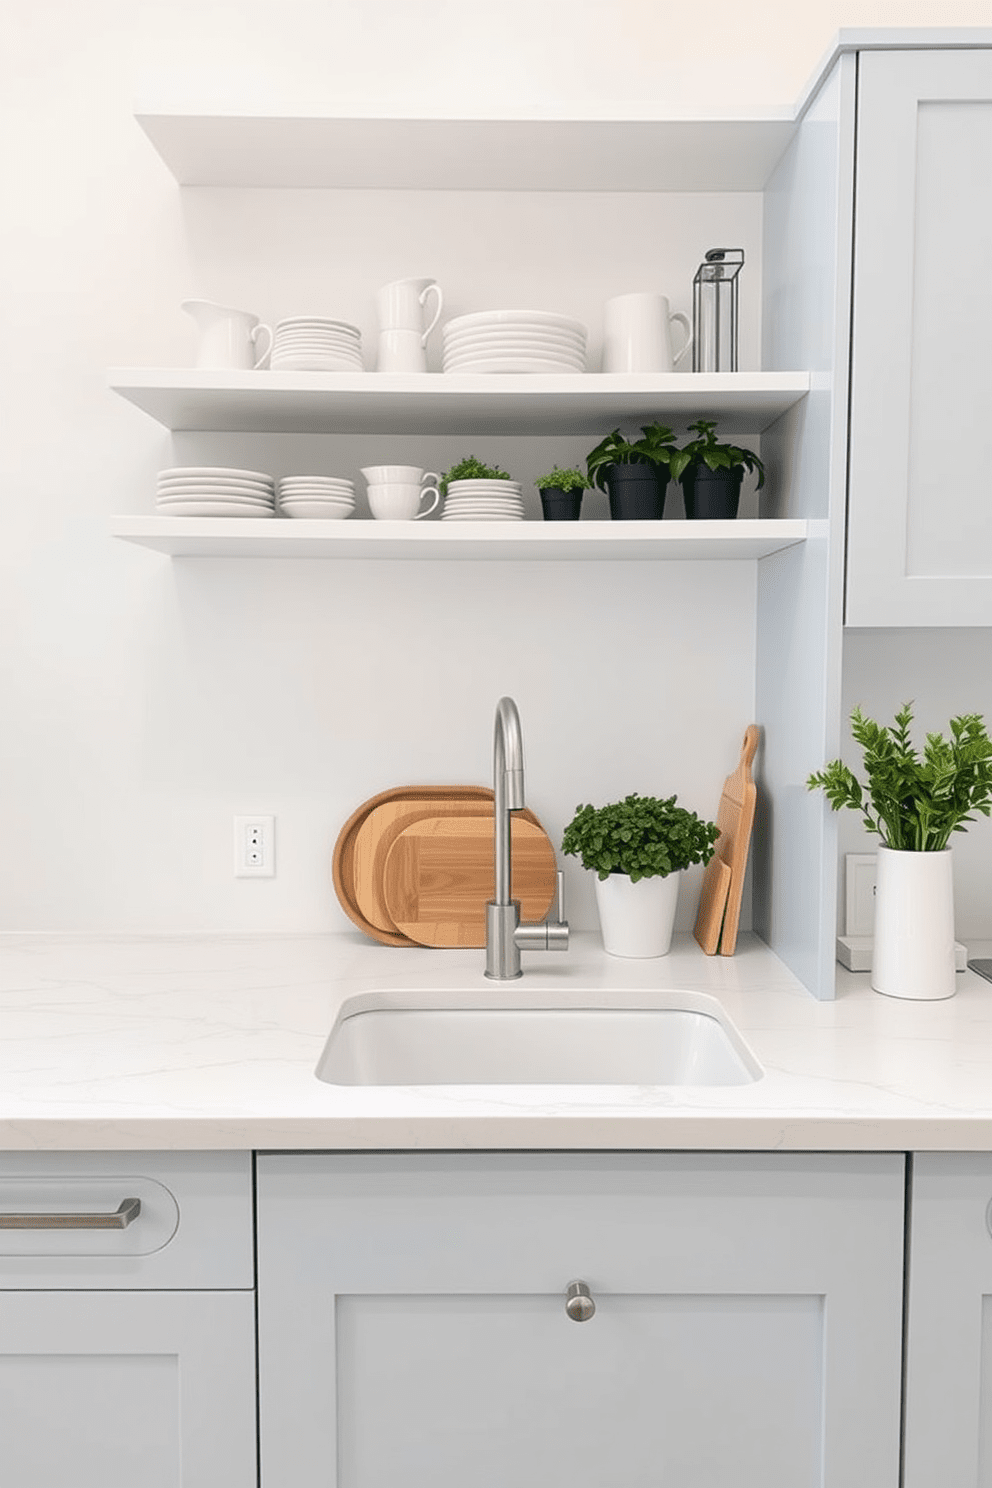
x: 506, y: 937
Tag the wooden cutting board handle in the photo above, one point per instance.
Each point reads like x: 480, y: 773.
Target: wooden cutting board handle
x: 723, y: 881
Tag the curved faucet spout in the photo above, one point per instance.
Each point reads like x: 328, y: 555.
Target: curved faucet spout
x: 508, y: 789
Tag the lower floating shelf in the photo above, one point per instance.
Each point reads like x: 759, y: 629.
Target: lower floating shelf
x: 249, y: 537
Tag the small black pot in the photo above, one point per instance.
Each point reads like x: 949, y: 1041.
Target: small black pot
x: 560, y: 506
x: 712, y: 495
x: 637, y: 491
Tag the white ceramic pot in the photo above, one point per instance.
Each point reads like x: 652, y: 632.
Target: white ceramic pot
x: 636, y: 919
x: 913, y: 954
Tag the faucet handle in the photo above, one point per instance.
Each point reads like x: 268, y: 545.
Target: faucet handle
x: 559, y: 902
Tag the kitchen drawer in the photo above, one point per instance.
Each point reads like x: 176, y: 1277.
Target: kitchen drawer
x: 192, y: 1227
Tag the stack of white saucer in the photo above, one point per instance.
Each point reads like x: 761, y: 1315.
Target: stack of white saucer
x: 214, y: 491
x: 325, y: 496
x: 483, y: 501
x: 514, y: 341
x: 309, y: 343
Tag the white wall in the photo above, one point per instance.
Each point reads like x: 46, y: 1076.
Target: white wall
x: 146, y: 702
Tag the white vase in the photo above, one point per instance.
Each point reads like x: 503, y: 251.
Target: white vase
x: 913, y: 954
x: 637, y: 918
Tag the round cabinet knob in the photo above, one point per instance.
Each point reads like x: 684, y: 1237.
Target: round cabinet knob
x: 578, y: 1303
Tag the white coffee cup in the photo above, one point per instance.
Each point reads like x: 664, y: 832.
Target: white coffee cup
x: 401, y: 306
x: 397, y: 501
x: 410, y: 475
x: 401, y: 351
x: 228, y: 337
x: 637, y: 335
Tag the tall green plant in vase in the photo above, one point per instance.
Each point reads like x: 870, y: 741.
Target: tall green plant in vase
x: 914, y: 802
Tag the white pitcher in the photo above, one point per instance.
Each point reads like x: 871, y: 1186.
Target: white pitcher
x: 228, y: 338
x: 637, y: 335
x: 401, y: 308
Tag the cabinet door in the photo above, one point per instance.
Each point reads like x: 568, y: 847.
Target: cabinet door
x: 949, y: 1323
x: 413, y: 1328
x: 127, y: 1390
x: 920, y: 513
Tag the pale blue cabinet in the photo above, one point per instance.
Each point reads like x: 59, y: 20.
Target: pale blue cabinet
x: 413, y: 1325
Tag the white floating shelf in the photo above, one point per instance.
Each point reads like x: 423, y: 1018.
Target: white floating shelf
x: 241, y: 537
x: 618, y: 151
x: 477, y: 403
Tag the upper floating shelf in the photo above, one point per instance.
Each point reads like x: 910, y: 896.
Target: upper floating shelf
x: 622, y: 151
x: 381, y: 403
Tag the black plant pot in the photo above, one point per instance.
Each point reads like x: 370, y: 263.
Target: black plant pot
x: 637, y: 491
x: 711, y: 495
x: 560, y: 506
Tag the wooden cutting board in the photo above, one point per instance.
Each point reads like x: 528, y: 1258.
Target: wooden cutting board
x: 439, y: 875
x: 723, y: 881
x: 468, y: 797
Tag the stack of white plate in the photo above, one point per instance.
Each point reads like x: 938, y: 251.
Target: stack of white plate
x: 213, y: 491
x: 483, y: 501
x: 514, y: 341
x: 325, y: 496
x: 309, y: 343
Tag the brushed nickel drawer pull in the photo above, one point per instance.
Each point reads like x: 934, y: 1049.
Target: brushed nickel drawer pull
x: 578, y: 1302
x: 118, y: 1220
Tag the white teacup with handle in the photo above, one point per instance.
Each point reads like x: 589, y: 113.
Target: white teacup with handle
x: 396, y: 491
x: 637, y: 334
x: 228, y: 337
x: 402, y: 311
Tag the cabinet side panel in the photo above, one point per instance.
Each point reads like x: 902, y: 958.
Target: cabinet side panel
x: 806, y: 298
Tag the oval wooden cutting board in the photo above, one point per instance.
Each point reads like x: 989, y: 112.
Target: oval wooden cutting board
x: 467, y: 797
x: 439, y: 875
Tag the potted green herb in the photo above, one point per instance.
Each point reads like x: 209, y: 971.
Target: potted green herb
x: 561, y: 494
x: 637, y: 848
x: 711, y: 473
x: 913, y: 803
x: 634, y: 472
x: 470, y: 469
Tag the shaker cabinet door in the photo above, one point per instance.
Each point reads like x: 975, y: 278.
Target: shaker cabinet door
x: 919, y: 509
x: 414, y: 1327
x: 949, y: 1323
x: 127, y: 1390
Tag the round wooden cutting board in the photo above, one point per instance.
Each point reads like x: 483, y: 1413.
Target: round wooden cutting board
x: 438, y: 876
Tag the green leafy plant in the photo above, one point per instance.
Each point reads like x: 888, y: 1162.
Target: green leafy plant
x: 914, y: 803
x: 472, y: 469
x: 642, y: 836
x: 656, y: 447
x: 706, y: 449
x: 562, y: 480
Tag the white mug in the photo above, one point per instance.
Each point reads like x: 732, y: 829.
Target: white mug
x: 401, y: 306
x: 397, y: 501
x: 401, y: 351
x: 228, y: 338
x: 637, y: 334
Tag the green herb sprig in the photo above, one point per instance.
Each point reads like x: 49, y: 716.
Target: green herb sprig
x: 562, y: 480
x: 642, y: 836
x: 914, y: 803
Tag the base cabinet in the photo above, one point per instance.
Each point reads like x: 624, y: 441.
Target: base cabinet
x: 413, y: 1324
x: 949, y: 1323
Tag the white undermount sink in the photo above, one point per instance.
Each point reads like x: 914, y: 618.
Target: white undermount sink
x: 579, y: 1038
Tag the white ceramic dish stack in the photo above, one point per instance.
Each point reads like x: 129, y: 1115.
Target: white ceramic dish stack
x: 328, y: 497
x: 311, y: 343
x: 483, y: 501
x: 214, y: 491
x: 514, y: 341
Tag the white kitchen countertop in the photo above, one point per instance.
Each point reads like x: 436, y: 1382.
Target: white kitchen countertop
x: 186, y: 1042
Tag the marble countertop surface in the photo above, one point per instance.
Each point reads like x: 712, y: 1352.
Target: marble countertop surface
x: 210, y: 1041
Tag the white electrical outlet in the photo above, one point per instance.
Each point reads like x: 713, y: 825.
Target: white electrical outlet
x: 861, y: 872
x: 254, y: 846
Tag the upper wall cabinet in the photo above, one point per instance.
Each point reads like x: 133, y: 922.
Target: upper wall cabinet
x: 920, y: 504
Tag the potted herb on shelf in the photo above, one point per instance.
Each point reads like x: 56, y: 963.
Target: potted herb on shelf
x: 913, y: 804
x: 711, y: 473
x: 561, y: 494
x: 635, y: 473
x: 638, y: 848
x: 471, y: 469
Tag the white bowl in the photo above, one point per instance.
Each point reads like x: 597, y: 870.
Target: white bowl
x: 331, y: 510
